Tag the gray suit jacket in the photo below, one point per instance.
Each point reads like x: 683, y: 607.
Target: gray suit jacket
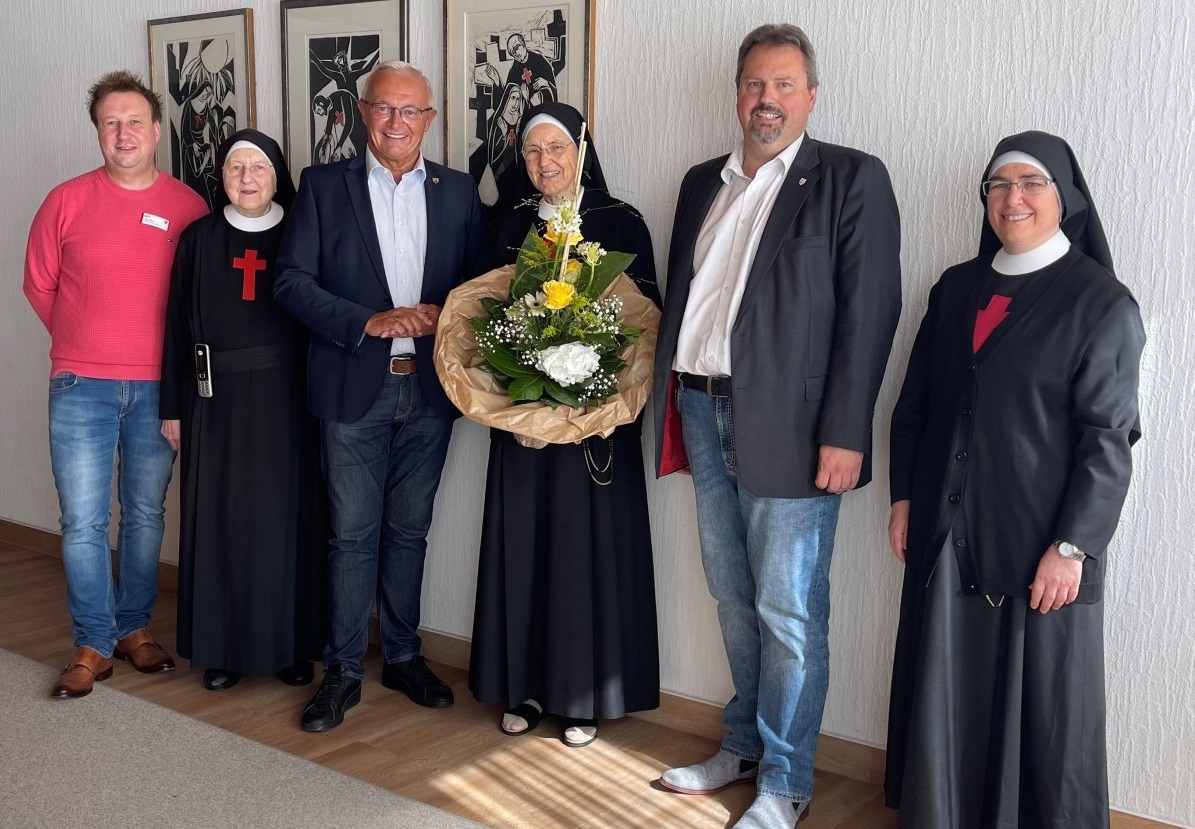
x: 811, y: 340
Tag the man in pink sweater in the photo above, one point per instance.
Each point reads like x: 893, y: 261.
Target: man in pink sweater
x: 97, y: 271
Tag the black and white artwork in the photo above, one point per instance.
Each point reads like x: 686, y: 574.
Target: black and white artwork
x: 203, y: 112
x: 337, y: 70
x: 329, y: 47
x: 201, y: 69
x: 503, y: 61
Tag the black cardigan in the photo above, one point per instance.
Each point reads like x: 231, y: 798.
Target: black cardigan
x: 1026, y: 441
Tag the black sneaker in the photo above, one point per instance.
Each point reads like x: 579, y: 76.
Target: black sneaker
x: 417, y: 681
x: 337, y: 694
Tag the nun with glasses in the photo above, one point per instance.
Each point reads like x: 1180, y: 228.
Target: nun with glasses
x: 1010, y: 465
x: 565, y: 620
x: 254, y: 533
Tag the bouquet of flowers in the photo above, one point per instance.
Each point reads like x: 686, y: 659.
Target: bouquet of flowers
x: 555, y: 349
x: 555, y: 337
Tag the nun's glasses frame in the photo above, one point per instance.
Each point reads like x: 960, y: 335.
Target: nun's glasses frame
x: 554, y: 150
x: 256, y: 169
x: 1033, y: 186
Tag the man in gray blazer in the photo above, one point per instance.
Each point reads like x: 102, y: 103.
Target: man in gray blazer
x: 783, y: 296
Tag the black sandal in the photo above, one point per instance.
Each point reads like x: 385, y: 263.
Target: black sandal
x: 220, y: 679
x: 574, y: 722
x: 530, y: 714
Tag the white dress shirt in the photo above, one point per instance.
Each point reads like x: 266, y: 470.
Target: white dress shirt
x: 722, y: 260
x: 400, y: 216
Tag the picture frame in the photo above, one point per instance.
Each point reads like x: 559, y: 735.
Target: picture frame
x: 502, y: 56
x: 328, y: 48
x: 201, y: 66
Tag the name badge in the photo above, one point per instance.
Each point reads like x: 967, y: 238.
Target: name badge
x: 155, y: 221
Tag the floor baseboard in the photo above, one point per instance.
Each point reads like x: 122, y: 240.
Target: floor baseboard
x: 847, y: 758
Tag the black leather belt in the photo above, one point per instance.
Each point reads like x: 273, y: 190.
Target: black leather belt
x: 403, y: 365
x: 713, y: 386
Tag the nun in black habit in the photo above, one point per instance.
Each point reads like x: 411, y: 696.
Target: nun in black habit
x: 565, y: 621
x: 1010, y: 464
x: 253, y: 535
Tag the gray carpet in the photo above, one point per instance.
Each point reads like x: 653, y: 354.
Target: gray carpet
x: 112, y: 760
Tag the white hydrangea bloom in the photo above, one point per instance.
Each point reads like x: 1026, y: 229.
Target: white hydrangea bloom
x: 568, y: 364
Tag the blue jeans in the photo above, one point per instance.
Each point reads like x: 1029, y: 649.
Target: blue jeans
x: 92, y: 423
x: 382, y: 474
x: 767, y: 563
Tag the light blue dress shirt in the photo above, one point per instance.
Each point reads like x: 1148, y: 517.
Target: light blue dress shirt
x: 400, y: 216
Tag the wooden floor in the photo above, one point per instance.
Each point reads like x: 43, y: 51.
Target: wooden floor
x: 456, y: 760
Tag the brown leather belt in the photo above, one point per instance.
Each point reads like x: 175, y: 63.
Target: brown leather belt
x: 718, y: 386
x: 403, y: 365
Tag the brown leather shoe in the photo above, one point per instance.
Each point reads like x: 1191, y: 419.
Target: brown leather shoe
x: 146, y: 655
x: 85, y: 669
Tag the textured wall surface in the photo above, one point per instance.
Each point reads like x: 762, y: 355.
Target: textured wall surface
x: 928, y: 86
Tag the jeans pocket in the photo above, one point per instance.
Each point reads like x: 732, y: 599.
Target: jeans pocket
x: 63, y: 381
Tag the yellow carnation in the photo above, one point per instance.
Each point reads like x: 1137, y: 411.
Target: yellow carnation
x: 559, y: 294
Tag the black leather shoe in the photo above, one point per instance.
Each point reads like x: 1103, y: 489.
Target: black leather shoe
x: 337, y: 694
x: 417, y: 681
x: 301, y: 673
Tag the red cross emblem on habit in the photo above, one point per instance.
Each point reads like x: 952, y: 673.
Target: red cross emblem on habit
x: 987, y: 320
x: 249, y: 265
x: 526, y: 75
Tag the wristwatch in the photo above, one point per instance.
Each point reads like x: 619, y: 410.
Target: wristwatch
x: 1068, y: 550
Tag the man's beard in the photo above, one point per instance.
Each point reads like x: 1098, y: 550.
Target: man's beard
x: 767, y: 134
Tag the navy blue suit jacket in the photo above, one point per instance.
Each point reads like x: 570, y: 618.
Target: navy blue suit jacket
x: 331, y: 278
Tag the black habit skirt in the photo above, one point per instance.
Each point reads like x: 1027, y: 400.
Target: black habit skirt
x: 254, y: 540
x: 566, y: 609
x: 997, y: 713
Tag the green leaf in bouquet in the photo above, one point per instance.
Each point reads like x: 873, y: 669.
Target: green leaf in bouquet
x: 603, y: 342
x: 492, y: 304
x: 526, y: 388
x: 479, y: 324
x: 534, y: 265
x: 504, y: 359
x: 612, y: 264
x: 612, y: 363
x: 560, y: 394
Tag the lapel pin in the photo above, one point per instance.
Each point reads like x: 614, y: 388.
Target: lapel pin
x: 435, y: 179
x: 800, y: 182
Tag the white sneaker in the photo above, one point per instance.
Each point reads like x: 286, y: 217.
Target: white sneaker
x: 768, y: 812
x: 713, y: 775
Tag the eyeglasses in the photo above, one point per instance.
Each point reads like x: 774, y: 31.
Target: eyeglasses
x: 256, y: 170
x: 532, y: 152
x: 1028, y: 186
x: 383, y: 111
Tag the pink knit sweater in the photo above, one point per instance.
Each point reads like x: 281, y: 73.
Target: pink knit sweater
x: 97, y: 272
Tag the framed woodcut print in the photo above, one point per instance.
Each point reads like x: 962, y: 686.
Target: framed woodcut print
x: 328, y: 48
x: 502, y: 57
x: 202, y: 68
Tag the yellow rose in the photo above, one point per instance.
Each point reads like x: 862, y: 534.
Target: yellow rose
x: 571, y: 272
x: 559, y: 294
x: 560, y: 239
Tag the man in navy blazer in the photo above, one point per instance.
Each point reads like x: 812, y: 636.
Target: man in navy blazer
x: 782, y: 298
x: 373, y: 247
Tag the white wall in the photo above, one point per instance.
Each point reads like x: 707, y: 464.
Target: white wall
x: 929, y: 87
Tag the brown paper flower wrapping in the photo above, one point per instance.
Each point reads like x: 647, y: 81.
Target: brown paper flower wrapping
x: 481, y: 398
